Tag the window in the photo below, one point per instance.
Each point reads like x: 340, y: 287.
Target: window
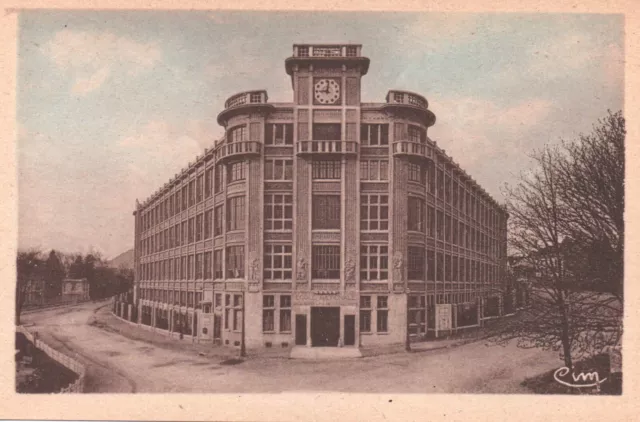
x: 236, y: 171
x: 235, y: 213
x: 417, y: 314
x: 199, y: 182
x: 190, y: 267
x: 431, y: 221
x: 447, y: 189
x: 268, y: 313
x: 179, y: 206
x: 217, y: 222
x: 326, y: 169
x: 447, y: 228
x: 352, y: 51
x: 198, y: 269
x: 447, y: 267
x: 440, y: 183
x: 374, y: 262
x: 278, y: 134
x: 208, y: 179
x: 415, y: 214
x: 198, y: 227
x: 416, y: 173
x: 237, y: 312
x: 278, y: 170
x: 207, y: 224
x: 236, y: 134
x: 227, y: 303
x: 218, y: 186
x: 439, y: 225
x: 192, y: 193
x: 278, y: 212
x: 285, y: 313
x: 326, y: 212
x: 217, y: 264
x: 439, y: 266
x: 374, y: 134
x: 365, y: 314
x: 374, y: 170
x: 326, y: 261
x: 183, y: 268
x: 374, y: 212
x: 382, y: 314
x: 184, y: 233
x: 176, y: 269
x: 431, y: 266
x: 327, y: 132
x: 416, y: 134
x: 191, y: 229
x: 235, y: 261
x: 415, y: 263
x: 277, y: 262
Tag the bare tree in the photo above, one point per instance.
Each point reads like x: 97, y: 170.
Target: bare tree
x: 563, y: 214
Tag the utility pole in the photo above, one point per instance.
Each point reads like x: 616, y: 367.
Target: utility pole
x: 243, y: 351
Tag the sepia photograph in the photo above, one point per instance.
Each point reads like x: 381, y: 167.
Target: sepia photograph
x: 218, y: 201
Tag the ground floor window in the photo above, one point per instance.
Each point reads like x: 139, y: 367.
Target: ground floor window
x: 273, y: 305
x: 365, y: 314
x: 382, y: 314
x: 417, y: 314
x: 381, y: 310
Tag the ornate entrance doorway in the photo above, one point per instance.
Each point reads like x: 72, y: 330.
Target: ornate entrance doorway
x: 325, y: 326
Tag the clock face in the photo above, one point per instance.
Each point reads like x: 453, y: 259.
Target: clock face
x: 326, y: 91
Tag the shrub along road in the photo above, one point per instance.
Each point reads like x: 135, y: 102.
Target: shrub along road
x: 121, y: 361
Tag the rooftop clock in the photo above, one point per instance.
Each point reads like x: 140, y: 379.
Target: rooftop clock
x: 326, y: 91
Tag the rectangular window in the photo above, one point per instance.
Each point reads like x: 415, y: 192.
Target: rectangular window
x: 278, y: 170
x: 208, y: 182
x: 374, y: 212
x: 199, y: 187
x: 439, y: 225
x: 374, y: 262
x: 416, y: 134
x: 327, y: 132
x: 235, y: 262
x: 217, y: 264
x: 192, y: 192
x: 382, y: 314
x: 374, y: 170
x: 236, y: 171
x: 431, y: 266
x: 207, y: 223
x: 326, y: 261
x: 326, y: 212
x: 191, y: 229
x: 199, y: 227
x: 176, y: 268
x: 236, y: 134
x: 431, y: 221
x: 374, y: 134
x: 217, y: 222
x: 285, y: 313
x: 447, y: 189
x: 183, y: 268
x: 439, y: 266
x: 447, y: 267
x: 415, y: 214
x: 326, y: 169
x: 365, y: 314
x: 198, y: 266
x: 235, y: 213
x: 415, y: 262
x: 184, y: 231
x: 190, y: 267
x: 268, y: 313
x: 218, y: 184
x: 278, y: 134
x: 417, y: 314
x: 416, y: 173
x: 278, y: 212
x: 277, y: 262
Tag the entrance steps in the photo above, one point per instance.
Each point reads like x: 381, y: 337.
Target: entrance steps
x: 324, y: 353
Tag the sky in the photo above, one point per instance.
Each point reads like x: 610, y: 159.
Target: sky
x: 110, y: 105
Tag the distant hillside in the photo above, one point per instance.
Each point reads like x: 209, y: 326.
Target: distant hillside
x: 125, y: 259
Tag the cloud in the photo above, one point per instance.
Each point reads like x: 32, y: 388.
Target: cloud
x: 93, y: 56
x: 83, y: 86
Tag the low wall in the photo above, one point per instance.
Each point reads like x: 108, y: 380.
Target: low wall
x: 61, y: 358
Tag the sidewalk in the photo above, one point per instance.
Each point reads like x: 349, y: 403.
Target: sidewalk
x: 105, y: 320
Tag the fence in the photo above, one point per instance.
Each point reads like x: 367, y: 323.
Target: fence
x: 61, y: 358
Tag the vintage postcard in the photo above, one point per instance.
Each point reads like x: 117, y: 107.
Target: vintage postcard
x: 288, y: 202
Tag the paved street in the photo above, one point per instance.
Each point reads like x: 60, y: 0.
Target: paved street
x: 117, y: 363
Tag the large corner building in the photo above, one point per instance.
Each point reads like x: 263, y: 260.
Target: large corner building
x: 324, y: 221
